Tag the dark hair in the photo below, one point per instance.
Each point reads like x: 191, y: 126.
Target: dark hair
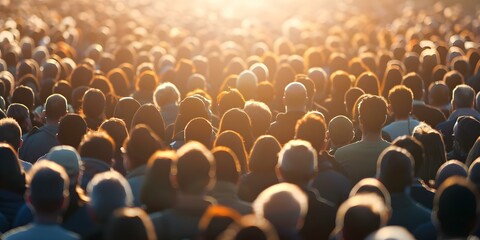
x: 401, y: 100
x: 434, y: 148
x: 201, y: 130
x: 265, y: 92
x: 130, y: 223
x: 157, y: 191
x: 21, y: 114
x: 351, y: 97
x: 341, y: 83
x: 12, y: 177
x: 147, y: 81
x: 190, y: 108
x: 264, y: 154
x: 55, y: 107
x: 415, y: 82
x: 93, y: 103
x: 10, y: 132
x: 63, y: 88
x: 81, y: 76
x: 372, y: 113
x: 228, y: 100
x: 194, y: 169
x: 237, y: 120
x: 149, y: 115
x: 71, y: 130
x: 25, y: 96
x: 311, y: 128
x: 116, y: 129
x: 439, y: 94
x: 395, y: 169
x: 234, y: 141
x: 215, y: 221
x: 453, y: 79
x: 126, y: 109
x: 392, y: 77
x: 140, y: 145
x: 227, y: 165
x: 414, y: 147
x: 98, y: 145
x: 368, y: 82
x: 119, y: 81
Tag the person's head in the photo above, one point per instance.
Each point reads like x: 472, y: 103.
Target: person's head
x: 48, y: 193
x: 146, y: 81
x: 82, y: 75
x: 71, y: 130
x: 438, y: 94
x: 229, y: 99
x: 97, y: 145
x: 350, y: 98
x: 340, y: 82
x: 139, y: 146
x: 227, y: 165
x: 452, y: 79
x: 126, y: 109
x: 194, y: 170
x: 309, y: 86
x: 466, y: 131
x: 284, y: 205
x: 372, y: 112
x: 215, y: 221
x: 449, y: 169
x: 250, y: 227
x: 400, y: 101
x: 261, y: 71
x: 295, y: 97
x: 117, y: 130
x: 11, y: 133
x: 463, y: 97
x: 247, y: 83
x: 108, y: 191
x: 395, y: 169
x: 368, y: 82
x: 165, y: 94
x: 260, y: 116
x: 264, y: 154
x: 12, y: 177
x: 200, y: 130
x: 237, y: 120
x: 24, y: 95
x: 234, y: 141
x: 415, y: 148
x: 340, y: 131
x: 21, y: 114
x: 297, y: 162
x: 359, y: 216
x: 149, y: 115
x: 68, y: 158
x: 265, y: 92
x: 130, y: 223
x: 390, y: 233
x: 157, y: 191
x: 415, y: 82
x: 455, y: 208
x: 434, y: 148
x: 372, y: 186
x: 312, y: 128
x: 190, y: 108
x: 93, y: 103
x: 55, y: 108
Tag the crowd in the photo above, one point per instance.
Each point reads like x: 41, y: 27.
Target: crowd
x: 197, y: 120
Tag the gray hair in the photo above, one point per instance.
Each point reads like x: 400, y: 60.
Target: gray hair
x: 166, y: 93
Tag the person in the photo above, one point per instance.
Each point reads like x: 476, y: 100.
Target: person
x: 11, y: 133
x: 260, y: 116
x: 297, y: 164
x: 194, y: 174
x: 466, y: 131
x: 200, y: 130
x: 140, y: 145
x: 145, y: 84
x: 117, y: 130
x: 462, y: 105
x: 21, y: 114
x: 360, y: 216
x: 340, y: 133
x: 157, y: 192
x: 395, y: 171
x: 130, y: 223
x: 400, y: 104
x: 341, y: 82
x: 93, y: 108
x: 12, y: 186
x: 149, y: 115
x: 228, y: 174
x: 284, y: 205
x: 96, y: 151
x: 391, y: 232
x: 47, y: 195
x: 215, y: 220
x: 246, y: 84
x: 359, y: 158
x: 125, y: 109
x: 71, y: 130
x: 234, y: 141
x: 422, y: 111
x: 108, y: 191
x: 39, y: 141
x: 250, y: 227
x: 295, y: 100
x: 439, y: 97
x: 238, y: 121
x: 449, y: 169
x: 372, y: 185
x: 263, y: 161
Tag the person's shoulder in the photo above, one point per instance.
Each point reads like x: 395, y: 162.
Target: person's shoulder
x: 342, y: 153
x: 17, y: 233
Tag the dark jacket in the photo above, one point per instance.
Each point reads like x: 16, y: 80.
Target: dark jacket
x: 91, y: 167
x: 446, y: 127
x: 253, y: 183
x: 428, y: 114
x: 10, y: 203
x: 320, y: 218
x: 422, y: 194
x: 38, y: 142
x: 407, y: 213
x: 283, y: 129
x: 226, y: 194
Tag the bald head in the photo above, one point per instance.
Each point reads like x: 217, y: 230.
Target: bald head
x: 295, y: 97
x: 55, y: 107
x: 449, y: 169
x: 395, y: 169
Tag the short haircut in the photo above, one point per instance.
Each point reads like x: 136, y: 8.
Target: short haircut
x: 129, y: 223
x: 117, y: 129
x: 71, y: 130
x: 229, y: 99
x: 25, y: 96
x: 108, y: 191
x: 55, y: 106
x: 415, y: 82
x: 452, y: 79
x: 284, y: 205
x: 297, y: 161
x: 372, y: 185
x: 48, y: 183
x: 340, y: 130
x: 260, y: 116
x: 414, y: 147
x: 19, y: 112
x: 456, y: 207
x: 227, y: 165
x: 373, y: 112
x: 98, y: 145
x: 147, y: 81
x: 341, y: 82
x: 449, y: 169
x: 93, y: 103
x: 194, y: 169
x: 401, y: 100
x: 200, y: 130
x: 295, y: 94
x: 395, y: 169
x: 463, y: 96
x: 166, y: 93
x: 311, y: 128
x: 10, y: 132
x: 141, y: 145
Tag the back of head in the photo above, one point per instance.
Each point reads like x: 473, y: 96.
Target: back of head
x: 10, y: 133
x: 228, y: 100
x: 227, y: 165
x: 97, y: 145
x: 216, y: 220
x: 126, y: 109
x: 311, y: 128
x: 234, y: 141
x: 395, y: 169
x: 295, y: 96
x: 71, y: 130
x: 297, y: 161
x: 360, y: 215
x: 308, y: 83
x: 48, y: 187
x: 284, y: 205
x: 264, y: 154
x: 351, y: 97
x: 466, y: 131
x: 247, y: 84
x: 415, y: 82
x: 147, y: 81
x: 368, y: 82
x: 452, y: 79
x: 108, y: 191
x: 200, y: 130
x: 68, y: 158
x: 372, y: 113
x: 149, y: 115
x: 12, y: 177
x: 166, y: 93
x: 130, y: 223
x: 117, y: 130
x: 401, y: 99
x: 55, y: 107
x: 372, y: 186
x: 190, y: 108
x: 93, y: 103
x: 24, y: 95
x: 260, y: 116
x: 414, y: 147
x: 194, y: 169
x: 340, y: 130
x: 438, y: 94
x: 456, y: 208
x: 140, y: 145
x: 391, y: 233
x: 463, y: 97
x: 21, y: 114
x: 474, y: 173
x: 449, y: 169
x: 250, y: 227
x: 341, y: 82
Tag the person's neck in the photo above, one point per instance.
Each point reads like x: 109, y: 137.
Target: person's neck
x: 48, y: 219
x: 401, y: 118
x: 295, y: 109
x: 52, y: 121
x: 371, y: 136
